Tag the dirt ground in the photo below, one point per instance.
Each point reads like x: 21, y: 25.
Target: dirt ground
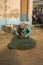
x: 22, y: 57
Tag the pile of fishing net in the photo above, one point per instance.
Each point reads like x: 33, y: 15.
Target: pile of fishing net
x: 22, y: 44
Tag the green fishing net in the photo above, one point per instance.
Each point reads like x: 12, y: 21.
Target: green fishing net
x: 22, y: 44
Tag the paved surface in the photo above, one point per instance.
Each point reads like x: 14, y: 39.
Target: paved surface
x: 22, y: 57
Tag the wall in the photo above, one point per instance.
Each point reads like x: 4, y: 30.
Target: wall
x: 10, y: 12
x: 9, y: 8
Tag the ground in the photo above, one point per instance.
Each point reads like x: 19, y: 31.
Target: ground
x: 22, y: 57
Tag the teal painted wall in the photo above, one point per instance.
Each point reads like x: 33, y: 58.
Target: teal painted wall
x: 24, y: 17
x: 12, y: 21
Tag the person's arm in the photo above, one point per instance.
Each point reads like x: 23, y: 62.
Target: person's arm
x: 30, y: 31
x: 16, y: 32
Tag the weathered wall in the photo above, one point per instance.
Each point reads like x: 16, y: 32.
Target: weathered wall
x: 10, y: 12
x: 30, y: 8
x: 2, y: 8
x: 9, y: 8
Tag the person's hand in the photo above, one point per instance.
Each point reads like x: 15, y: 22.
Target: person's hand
x: 25, y: 36
x: 19, y: 36
x: 22, y: 35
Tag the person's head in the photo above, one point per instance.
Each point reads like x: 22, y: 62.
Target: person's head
x: 22, y: 25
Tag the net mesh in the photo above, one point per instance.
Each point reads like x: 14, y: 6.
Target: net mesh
x: 22, y: 44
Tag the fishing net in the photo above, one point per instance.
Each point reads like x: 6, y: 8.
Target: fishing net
x: 22, y: 44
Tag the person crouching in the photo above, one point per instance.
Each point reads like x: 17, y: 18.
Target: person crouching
x: 23, y: 31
